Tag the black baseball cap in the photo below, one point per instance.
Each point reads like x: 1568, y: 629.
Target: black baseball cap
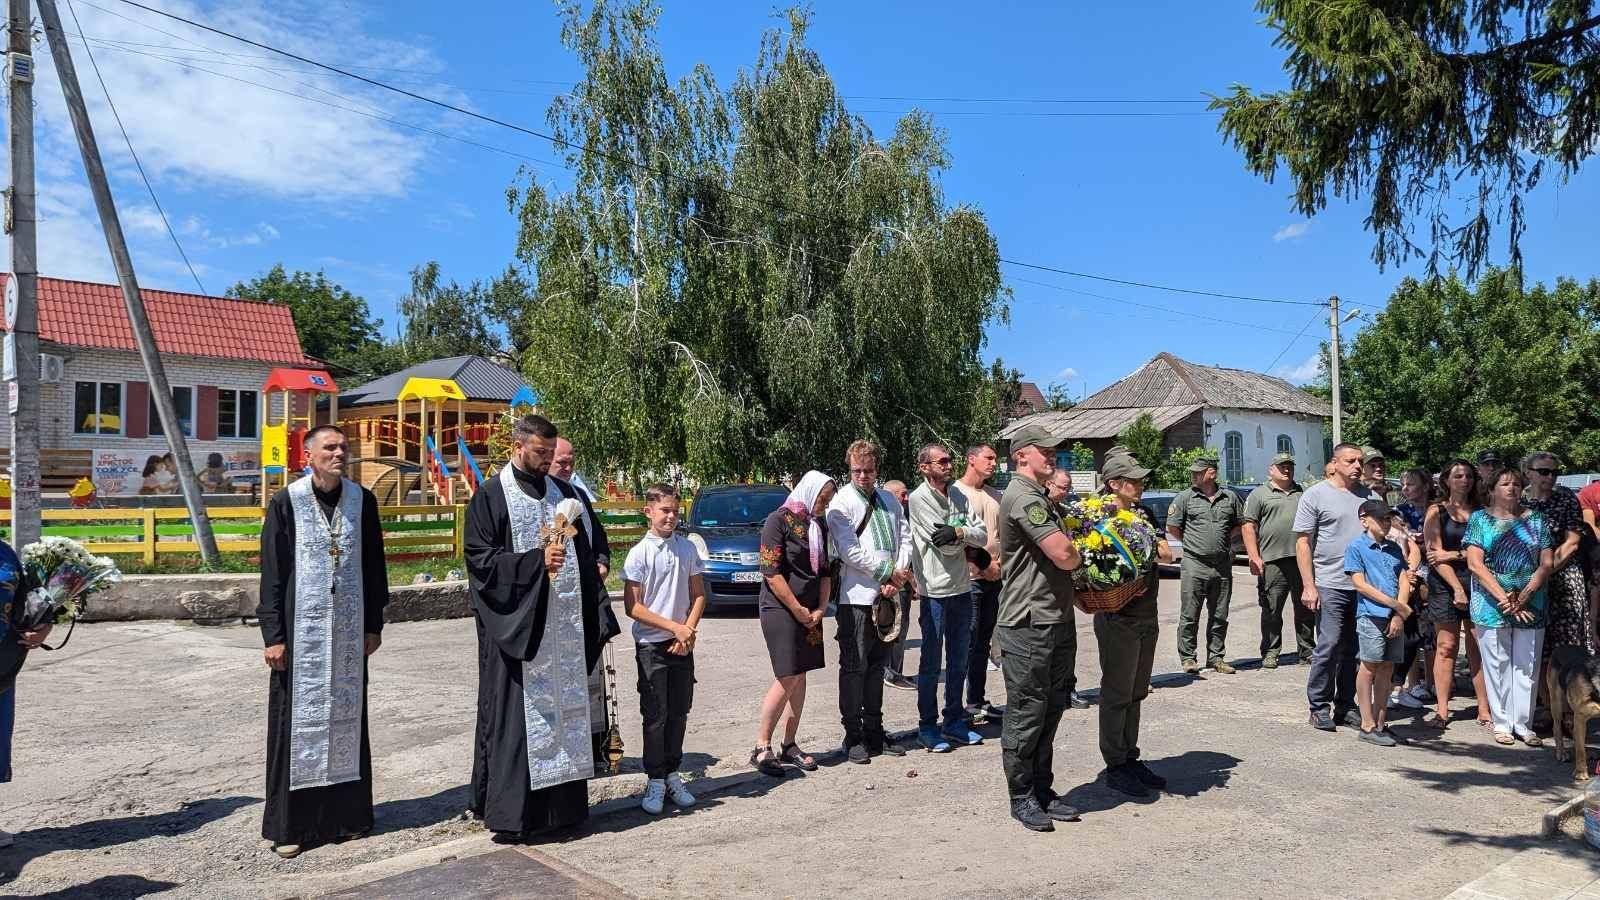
x: 1375, y: 508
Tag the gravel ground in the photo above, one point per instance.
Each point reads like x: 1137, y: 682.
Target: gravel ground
x: 139, y: 751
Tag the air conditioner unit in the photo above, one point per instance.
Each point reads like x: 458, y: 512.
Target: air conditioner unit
x: 51, y: 368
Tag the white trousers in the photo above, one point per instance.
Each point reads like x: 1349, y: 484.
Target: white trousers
x: 1510, y: 673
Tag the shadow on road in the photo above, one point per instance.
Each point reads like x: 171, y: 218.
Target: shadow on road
x: 100, y: 833
x: 1188, y: 775
x: 112, y: 887
x: 420, y: 812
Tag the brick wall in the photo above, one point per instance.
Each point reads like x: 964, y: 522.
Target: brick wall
x: 56, y: 412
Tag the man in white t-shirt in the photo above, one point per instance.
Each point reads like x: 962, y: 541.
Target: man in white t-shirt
x: 873, y: 547
x: 664, y: 593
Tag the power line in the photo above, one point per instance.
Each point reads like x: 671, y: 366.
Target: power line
x: 1165, y: 309
x: 1294, y: 340
x: 133, y: 153
x: 1157, y: 287
x: 660, y: 172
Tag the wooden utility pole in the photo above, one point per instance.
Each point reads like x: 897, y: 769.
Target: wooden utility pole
x: 22, y: 288
x: 160, y: 390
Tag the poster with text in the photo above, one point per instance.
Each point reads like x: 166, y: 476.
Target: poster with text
x: 115, y: 473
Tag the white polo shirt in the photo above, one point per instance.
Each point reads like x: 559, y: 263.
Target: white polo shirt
x: 661, y: 567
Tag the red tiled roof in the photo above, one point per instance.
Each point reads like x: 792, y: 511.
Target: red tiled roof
x: 82, y: 314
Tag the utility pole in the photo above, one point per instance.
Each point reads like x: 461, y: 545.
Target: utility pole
x: 160, y: 390
x: 22, y: 288
x: 1333, y: 366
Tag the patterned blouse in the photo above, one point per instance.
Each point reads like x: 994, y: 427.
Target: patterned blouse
x: 10, y: 578
x: 1561, y: 510
x: 1511, y: 549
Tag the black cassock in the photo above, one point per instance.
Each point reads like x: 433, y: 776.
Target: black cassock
x: 312, y: 815
x: 510, y: 599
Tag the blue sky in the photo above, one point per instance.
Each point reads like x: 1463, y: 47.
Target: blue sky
x: 252, y: 174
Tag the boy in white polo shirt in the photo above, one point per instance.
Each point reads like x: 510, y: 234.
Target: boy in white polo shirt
x: 664, y: 593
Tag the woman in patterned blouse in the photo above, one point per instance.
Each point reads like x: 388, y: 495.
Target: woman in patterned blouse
x: 1570, y: 621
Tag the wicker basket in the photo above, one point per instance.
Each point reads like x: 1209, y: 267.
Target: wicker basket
x: 1110, y: 600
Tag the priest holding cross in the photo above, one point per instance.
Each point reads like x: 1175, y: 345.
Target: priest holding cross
x: 536, y: 591
x: 323, y: 589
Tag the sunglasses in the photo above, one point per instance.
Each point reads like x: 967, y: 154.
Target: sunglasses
x: 940, y: 461
x: 1548, y: 473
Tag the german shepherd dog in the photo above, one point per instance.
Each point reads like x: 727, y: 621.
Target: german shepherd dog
x: 1573, y: 682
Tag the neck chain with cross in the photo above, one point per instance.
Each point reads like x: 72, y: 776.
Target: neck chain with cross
x: 334, y: 527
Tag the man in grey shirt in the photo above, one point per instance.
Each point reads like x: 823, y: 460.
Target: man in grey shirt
x: 1327, y: 520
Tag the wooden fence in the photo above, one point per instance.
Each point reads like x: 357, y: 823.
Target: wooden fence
x: 408, y: 531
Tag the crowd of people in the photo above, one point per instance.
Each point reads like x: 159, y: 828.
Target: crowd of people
x: 1384, y: 588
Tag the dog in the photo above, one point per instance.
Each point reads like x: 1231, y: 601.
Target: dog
x: 1573, y: 683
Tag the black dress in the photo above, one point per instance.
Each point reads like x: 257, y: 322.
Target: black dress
x: 786, y: 551
x: 1442, y: 610
x: 312, y: 815
x: 510, y: 597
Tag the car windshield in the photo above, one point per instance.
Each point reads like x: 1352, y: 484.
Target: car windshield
x: 732, y: 508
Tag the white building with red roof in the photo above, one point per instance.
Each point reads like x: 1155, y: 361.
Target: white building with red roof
x: 217, y: 351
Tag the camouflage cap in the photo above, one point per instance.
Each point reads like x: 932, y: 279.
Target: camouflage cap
x: 1203, y: 463
x: 1283, y: 458
x: 1368, y: 454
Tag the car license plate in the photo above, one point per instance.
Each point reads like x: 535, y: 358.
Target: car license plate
x: 746, y: 577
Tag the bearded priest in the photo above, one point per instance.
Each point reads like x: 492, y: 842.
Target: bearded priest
x: 535, y: 591
x: 323, y: 589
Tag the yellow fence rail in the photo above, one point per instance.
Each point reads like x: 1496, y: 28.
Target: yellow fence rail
x: 152, y: 533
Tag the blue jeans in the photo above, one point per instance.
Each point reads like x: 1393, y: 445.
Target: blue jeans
x: 1333, y: 664
x: 945, y: 621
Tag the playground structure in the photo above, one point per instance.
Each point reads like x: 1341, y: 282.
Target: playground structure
x: 430, y: 448
x: 288, y: 411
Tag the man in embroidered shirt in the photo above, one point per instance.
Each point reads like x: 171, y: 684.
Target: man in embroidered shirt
x: 535, y: 598
x: 323, y: 589
x: 873, y: 548
x: 943, y: 526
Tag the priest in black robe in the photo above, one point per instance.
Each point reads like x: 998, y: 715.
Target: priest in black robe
x: 324, y: 583
x: 525, y: 598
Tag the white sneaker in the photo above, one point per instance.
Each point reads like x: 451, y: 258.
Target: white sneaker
x: 680, y: 794
x: 1407, y: 699
x: 655, y: 793
x: 6, y: 839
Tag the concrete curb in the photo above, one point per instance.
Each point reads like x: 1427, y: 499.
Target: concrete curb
x: 229, y: 597
x: 1551, y: 824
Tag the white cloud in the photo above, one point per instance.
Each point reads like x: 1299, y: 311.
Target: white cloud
x: 206, y: 141
x: 1302, y: 373
x: 1291, y: 231
x: 1067, y: 374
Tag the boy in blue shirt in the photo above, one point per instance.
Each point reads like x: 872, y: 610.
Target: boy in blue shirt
x: 1378, y: 567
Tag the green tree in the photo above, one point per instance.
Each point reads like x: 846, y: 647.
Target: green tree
x: 1415, y: 104
x: 334, y: 324
x: 1058, y: 396
x: 1144, y: 440
x: 748, y: 280
x: 1173, y: 472
x: 1449, y: 368
x: 442, y: 320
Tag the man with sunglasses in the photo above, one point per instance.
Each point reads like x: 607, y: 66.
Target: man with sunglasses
x: 1269, y: 543
x: 943, y: 526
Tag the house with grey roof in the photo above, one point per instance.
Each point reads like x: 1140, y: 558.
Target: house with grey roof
x: 1245, y: 417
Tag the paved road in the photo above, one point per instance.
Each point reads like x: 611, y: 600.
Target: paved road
x: 138, y: 756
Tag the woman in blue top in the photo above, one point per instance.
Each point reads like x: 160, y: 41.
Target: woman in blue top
x: 1509, y: 556
x: 10, y: 581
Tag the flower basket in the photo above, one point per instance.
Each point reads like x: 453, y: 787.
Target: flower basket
x: 1107, y: 600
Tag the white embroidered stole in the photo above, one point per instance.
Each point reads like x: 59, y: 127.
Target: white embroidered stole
x: 555, y: 683
x: 327, y: 686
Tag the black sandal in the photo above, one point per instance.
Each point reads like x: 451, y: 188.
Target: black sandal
x: 763, y: 760
x: 795, y: 757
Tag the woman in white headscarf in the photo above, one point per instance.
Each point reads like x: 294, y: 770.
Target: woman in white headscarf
x: 794, y: 598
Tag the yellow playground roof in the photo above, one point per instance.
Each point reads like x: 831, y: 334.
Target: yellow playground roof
x: 431, y: 389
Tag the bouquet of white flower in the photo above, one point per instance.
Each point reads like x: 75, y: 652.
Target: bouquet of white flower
x: 58, y: 577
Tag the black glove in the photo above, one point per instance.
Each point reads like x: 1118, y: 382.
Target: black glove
x: 944, y: 536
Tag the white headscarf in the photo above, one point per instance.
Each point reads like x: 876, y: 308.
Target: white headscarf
x: 801, y: 501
